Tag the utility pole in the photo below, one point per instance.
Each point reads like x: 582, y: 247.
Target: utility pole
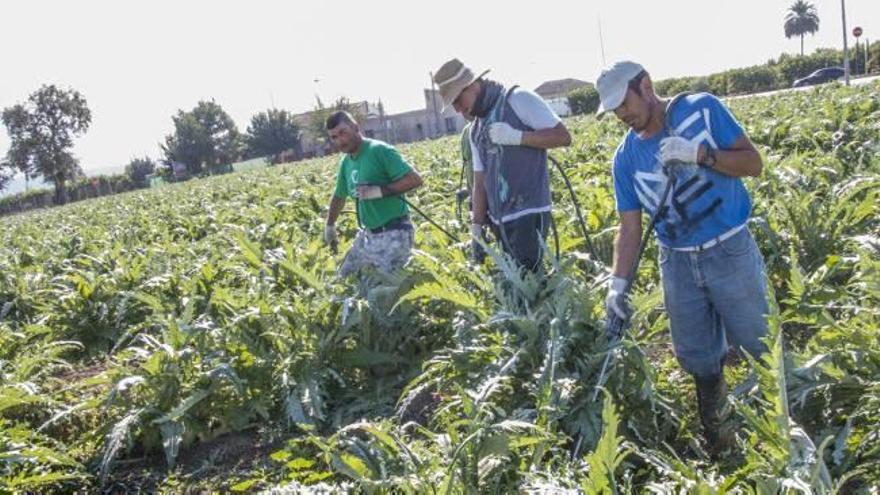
x: 856, y: 58
x: 601, y: 40
x: 434, y: 104
x: 845, y: 48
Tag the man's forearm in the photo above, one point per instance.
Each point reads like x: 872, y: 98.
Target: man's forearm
x: 626, y: 246
x: 478, y: 196
x: 406, y: 183
x: 335, y: 208
x: 547, y: 138
x: 740, y: 160
x: 738, y: 163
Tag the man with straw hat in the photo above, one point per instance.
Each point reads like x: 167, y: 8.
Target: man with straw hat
x: 512, y: 130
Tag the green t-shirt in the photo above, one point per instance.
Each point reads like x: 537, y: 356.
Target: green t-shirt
x: 379, y: 164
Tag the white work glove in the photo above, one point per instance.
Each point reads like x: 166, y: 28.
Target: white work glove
x: 677, y: 150
x: 478, y: 254
x: 476, y: 231
x: 502, y: 133
x: 330, y: 236
x: 615, y: 301
x: 369, y: 192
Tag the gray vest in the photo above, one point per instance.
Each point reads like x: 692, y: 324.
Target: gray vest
x: 517, y: 180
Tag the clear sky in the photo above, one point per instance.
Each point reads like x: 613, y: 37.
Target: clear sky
x: 137, y: 63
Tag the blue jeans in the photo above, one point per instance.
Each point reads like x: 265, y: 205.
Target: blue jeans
x: 715, y: 297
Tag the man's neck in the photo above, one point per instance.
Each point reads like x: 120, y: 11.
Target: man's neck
x: 358, y: 147
x: 657, y: 121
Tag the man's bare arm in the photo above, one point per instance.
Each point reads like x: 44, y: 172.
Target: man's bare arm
x: 546, y: 139
x: 741, y: 160
x: 408, y: 182
x: 336, y: 204
x: 478, y: 197
x: 626, y: 243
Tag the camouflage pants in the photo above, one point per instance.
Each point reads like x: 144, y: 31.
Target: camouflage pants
x: 385, y: 251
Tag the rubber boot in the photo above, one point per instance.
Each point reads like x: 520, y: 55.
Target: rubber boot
x: 714, y: 411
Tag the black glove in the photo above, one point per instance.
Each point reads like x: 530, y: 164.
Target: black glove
x: 615, y: 327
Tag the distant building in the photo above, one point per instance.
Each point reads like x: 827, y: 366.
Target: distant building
x: 555, y: 93
x: 429, y: 122
x: 179, y: 171
x: 310, y: 145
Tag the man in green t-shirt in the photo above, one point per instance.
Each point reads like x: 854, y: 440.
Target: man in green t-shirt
x: 375, y: 175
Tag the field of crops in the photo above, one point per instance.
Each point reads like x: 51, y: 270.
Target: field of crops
x: 194, y: 336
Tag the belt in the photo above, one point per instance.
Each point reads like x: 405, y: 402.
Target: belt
x: 400, y: 223
x: 710, y: 243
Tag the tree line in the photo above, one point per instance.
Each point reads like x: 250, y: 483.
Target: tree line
x: 205, y: 141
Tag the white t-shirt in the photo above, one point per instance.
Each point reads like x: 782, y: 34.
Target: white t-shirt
x: 531, y: 109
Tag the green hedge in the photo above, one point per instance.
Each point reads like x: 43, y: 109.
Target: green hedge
x: 584, y: 100
x: 775, y: 74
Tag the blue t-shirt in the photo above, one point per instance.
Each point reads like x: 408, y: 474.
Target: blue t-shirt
x: 703, y: 203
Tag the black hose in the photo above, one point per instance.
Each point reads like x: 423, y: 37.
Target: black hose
x: 617, y: 326
x: 430, y: 220
x: 577, y: 207
x: 670, y: 182
x: 420, y: 212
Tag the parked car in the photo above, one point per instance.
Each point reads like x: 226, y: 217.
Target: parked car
x: 820, y: 76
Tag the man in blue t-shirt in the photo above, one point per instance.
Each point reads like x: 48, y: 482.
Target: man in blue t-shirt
x: 714, y: 285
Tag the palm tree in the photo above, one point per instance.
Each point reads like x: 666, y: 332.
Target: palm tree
x: 801, y: 19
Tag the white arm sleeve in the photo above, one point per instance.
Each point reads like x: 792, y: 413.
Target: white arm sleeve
x: 533, y: 110
x: 475, y: 155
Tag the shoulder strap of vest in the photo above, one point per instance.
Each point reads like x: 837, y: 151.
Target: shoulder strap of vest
x: 497, y: 113
x: 506, y: 99
x: 670, y: 105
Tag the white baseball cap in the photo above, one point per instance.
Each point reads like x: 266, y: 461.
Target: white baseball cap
x: 612, y: 84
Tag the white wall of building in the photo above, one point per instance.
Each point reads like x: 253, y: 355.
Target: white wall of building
x: 560, y: 106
